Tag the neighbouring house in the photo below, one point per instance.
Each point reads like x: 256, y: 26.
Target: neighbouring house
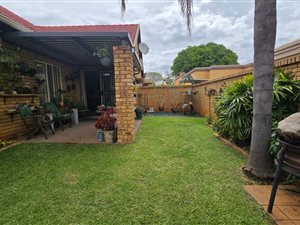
x: 64, y: 59
x: 202, y: 74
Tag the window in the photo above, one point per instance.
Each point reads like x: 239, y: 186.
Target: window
x: 52, y: 75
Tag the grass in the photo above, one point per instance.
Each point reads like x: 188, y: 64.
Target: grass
x: 176, y: 172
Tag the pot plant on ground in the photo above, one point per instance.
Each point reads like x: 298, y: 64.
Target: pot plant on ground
x: 139, y: 112
x: 106, y: 125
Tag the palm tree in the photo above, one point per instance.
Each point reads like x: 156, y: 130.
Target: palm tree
x: 259, y: 162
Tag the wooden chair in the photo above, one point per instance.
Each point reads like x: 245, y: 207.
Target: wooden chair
x: 288, y: 160
x: 35, y: 123
x: 58, y: 116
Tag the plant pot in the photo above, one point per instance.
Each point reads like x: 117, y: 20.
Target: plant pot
x: 105, y: 61
x: 100, y: 135
x: 109, y: 136
x: 139, y: 115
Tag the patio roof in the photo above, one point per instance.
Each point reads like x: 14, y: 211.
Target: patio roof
x: 75, y: 48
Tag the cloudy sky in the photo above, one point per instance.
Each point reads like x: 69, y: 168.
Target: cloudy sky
x: 163, y: 29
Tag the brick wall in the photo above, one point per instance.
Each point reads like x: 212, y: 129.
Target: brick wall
x: 203, y: 104
x: 123, y: 65
x: 11, y: 129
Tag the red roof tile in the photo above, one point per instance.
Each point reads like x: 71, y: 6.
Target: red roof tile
x: 129, y: 28
x: 10, y: 15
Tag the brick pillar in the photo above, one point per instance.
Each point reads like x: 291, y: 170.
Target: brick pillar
x: 123, y: 64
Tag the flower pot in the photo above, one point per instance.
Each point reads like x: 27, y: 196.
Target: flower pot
x: 100, y: 135
x: 139, y: 115
x: 109, y: 136
x: 105, y: 61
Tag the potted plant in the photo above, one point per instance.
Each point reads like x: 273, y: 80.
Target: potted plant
x: 104, y: 56
x: 9, y: 78
x: 106, y: 124
x: 139, y: 112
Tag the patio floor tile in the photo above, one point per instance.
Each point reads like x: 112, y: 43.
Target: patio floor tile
x: 286, y: 209
x: 83, y: 133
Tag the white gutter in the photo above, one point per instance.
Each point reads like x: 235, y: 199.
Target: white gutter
x: 14, y: 24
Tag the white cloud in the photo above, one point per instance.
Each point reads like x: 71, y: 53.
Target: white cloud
x: 163, y: 28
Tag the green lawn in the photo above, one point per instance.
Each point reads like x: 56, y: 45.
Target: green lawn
x: 176, y: 172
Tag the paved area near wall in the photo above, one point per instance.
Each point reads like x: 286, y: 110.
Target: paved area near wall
x: 287, y: 202
x: 83, y: 133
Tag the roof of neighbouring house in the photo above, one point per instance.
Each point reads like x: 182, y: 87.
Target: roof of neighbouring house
x: 131, y: 29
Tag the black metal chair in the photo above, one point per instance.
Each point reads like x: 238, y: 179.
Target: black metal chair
x: 288, y: 160
x: 35, y: 123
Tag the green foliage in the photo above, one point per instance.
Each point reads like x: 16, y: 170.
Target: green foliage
x: 234, y: 107
x: 8, y: 77
x: 203, y: 56
x: 101, y: 52
x: 234, y: 110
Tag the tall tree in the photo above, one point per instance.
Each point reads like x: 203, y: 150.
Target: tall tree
x: 203, y: 56
x: 265, y: 19
x: 157, y: 78
x: 259, y: 162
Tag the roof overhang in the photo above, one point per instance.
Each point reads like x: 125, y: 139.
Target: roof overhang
x: 75, y: 48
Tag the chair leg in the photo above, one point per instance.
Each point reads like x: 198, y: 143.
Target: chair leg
x: 61, y: 125
x: 276, y: 180
x: 52, y: 130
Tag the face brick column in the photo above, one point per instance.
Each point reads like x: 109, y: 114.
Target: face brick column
x: 123, y: 64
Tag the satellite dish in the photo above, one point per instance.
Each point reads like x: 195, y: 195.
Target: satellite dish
x: 143, y: 48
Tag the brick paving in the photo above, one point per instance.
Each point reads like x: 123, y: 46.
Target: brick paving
x: 287, y: 202
x: 83, y: 133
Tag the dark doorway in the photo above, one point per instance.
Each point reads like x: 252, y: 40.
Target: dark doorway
x: 108, y: 88
x: 93, y: 90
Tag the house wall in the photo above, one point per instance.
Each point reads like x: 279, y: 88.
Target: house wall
x: 31, y: 58
x: 11, y: 129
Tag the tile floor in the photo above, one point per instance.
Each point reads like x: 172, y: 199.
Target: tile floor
x: 83, y: 133
x: 287, y: 202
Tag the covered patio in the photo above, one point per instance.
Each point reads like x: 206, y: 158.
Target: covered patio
x: 83, y: 133
x: 80, y: 77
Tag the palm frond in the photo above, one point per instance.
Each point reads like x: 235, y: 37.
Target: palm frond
x: 187, y: 11
x: 123, y: 6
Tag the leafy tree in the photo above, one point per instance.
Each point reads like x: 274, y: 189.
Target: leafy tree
x: 168, y: 79
x: 203, y: 56
x: 157, y: 78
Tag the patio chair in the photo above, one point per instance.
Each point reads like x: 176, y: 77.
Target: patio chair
x: 58, y: 116
x: 288, y: 160
x: 35, y: 123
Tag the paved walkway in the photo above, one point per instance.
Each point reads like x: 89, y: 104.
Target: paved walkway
x: 83, y: 133
x: 287, y: 202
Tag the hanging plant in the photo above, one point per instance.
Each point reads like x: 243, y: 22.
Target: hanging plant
x: 101, y: 52
x: 104, y: 56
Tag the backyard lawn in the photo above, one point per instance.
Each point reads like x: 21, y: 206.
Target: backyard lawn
x: 176, y: 172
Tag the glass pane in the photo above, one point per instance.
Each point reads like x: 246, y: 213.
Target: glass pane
x: 41, y: 75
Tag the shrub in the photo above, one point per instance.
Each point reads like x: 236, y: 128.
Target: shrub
x: 234, y: 107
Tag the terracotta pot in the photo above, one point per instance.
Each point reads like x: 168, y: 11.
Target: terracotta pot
x: 110, y: 136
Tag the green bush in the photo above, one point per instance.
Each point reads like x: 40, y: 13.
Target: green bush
x: 234, y: 107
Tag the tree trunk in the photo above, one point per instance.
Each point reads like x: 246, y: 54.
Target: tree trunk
x: 259, y: 162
